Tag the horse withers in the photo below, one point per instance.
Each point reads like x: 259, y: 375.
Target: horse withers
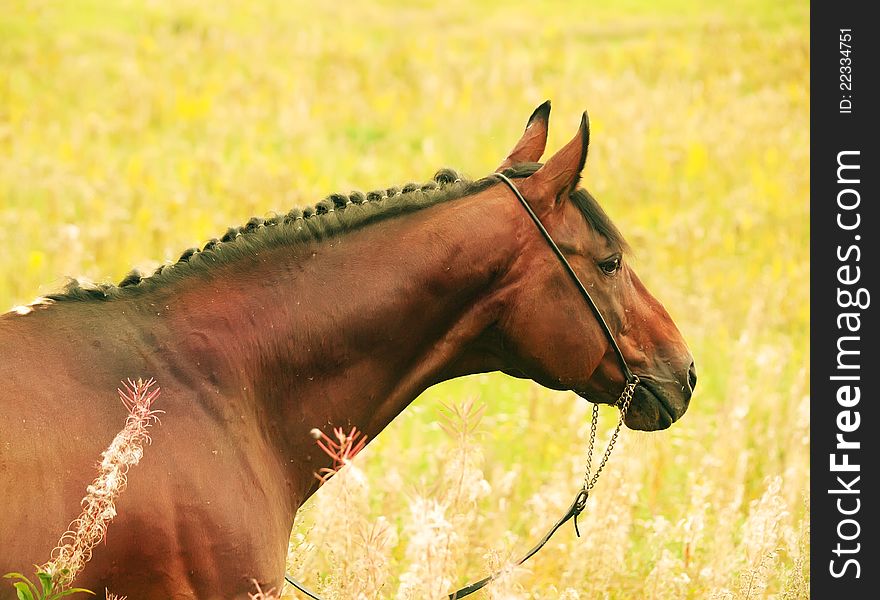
x: 337, y: 315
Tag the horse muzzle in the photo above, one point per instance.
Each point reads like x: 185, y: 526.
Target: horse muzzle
x: 658, y: 403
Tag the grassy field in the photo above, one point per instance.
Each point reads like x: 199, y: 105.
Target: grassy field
x: 132, y: 130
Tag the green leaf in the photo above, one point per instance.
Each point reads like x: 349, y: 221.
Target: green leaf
x: 15, y: 576
x: 46, y: 582
x: 24, y: 592
x: 74, y: 591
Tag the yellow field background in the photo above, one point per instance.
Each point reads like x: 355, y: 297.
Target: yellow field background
x: 131, y: 130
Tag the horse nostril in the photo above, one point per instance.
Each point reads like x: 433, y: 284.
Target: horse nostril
x: 692, y: 376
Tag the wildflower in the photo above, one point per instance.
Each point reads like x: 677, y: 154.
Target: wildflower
x: 75, y: 547
x: 342, y: 450
x: 261, y: 595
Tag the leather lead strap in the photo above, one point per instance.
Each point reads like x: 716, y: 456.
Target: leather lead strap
x: 301, y: 587
x: 573, y: 511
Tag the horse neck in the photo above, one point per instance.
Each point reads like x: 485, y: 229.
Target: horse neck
x: 348, y: 331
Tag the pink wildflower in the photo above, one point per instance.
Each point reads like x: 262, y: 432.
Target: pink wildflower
x: 342, y: 450
x: 261, y: 595
x: 74, y: 548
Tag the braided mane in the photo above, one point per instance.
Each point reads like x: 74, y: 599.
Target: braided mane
x: 332, y: 216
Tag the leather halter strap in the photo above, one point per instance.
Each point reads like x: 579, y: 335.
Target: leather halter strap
x: 627, y: 373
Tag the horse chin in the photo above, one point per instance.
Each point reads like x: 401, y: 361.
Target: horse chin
x: 649, y: 410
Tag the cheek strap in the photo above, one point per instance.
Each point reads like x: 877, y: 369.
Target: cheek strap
x: 627, y: 373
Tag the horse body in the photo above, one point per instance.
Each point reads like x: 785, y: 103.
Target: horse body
x: 254, y: 350
x: 59, y: 414
x: 247, y: 368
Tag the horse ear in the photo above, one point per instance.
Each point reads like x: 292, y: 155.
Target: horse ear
x: 559, y: 176
x: 531, y: 145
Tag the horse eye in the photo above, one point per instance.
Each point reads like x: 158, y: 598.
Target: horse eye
x: 610, y: 266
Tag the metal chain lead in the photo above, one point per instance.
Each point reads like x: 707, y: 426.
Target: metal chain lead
x: 580, y: 501
x: 594, y: 424
x: 623, y: 404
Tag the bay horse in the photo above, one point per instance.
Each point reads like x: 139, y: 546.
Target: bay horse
x: 337, y: 315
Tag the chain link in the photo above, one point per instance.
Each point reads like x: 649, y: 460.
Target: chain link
x: 623, y: 404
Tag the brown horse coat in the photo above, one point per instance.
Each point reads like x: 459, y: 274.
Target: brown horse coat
x: 309, y: 321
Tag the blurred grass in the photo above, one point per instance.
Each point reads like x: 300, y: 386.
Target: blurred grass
x: 131, y: 130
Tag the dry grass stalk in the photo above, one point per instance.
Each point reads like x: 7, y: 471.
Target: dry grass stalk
x: 797, y: 582
x: 358, y: 549
x: 439, y: 525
